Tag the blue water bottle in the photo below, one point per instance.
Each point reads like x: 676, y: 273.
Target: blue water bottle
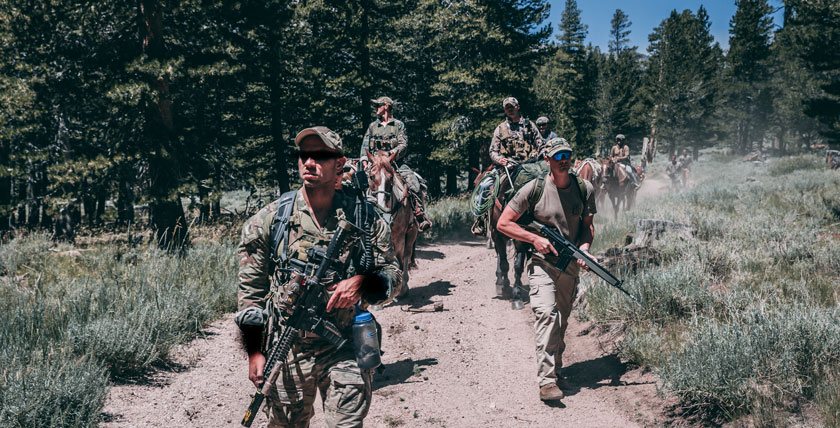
x: 366, y: 341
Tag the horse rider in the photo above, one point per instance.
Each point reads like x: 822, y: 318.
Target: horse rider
x: 516, y: 139
x: 313, y: 214
x: 545, y: 133
x: 387, y: 133
x: 674, y: 172
x: 620, y: 153
x: 564, y: 206
x: 685, y: 161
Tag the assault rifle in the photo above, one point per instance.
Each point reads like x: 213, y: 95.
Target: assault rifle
x: 568, y: 251
x: 305, y: 307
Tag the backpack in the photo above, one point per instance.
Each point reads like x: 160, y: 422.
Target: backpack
x: 530, y: 171
x: 279, y: 231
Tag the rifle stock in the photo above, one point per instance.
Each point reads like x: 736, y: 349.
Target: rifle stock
x: 568, y: 250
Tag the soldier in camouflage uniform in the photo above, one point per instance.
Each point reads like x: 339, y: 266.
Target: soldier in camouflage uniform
x: 516, y: 139
x: 313, y: 364
x: 388, y: 134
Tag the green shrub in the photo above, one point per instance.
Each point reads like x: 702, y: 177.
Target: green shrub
x: 789, y: 164
x: 451, y: 216
x: 55, y: 388
x: 74, y: 320
x: 761, y: 354
x: 828, y: 399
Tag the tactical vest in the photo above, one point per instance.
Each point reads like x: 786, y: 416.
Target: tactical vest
x: 516, y: 145
x: 383, y: 137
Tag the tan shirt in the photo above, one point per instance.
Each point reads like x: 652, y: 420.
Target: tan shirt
x: 563, y: 209
x: 620, y: 152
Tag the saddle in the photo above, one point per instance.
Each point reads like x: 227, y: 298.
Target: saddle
x: 620, y: 173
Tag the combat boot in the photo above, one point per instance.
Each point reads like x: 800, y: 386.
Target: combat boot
x: 550, y: 392
x: 423, y: 222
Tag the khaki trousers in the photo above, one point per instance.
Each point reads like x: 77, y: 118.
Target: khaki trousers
x: 552, y: 293
x: 345, y: 390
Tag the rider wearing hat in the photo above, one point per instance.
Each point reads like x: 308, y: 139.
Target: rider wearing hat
x: 620, y: 153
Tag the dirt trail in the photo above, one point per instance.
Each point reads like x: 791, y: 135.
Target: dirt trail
x: 472, y: 365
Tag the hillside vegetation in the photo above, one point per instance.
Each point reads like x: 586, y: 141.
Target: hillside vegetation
x: 742, y: 318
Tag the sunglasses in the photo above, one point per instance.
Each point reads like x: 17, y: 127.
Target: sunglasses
x: 319, y: 155
x: 562, y: 156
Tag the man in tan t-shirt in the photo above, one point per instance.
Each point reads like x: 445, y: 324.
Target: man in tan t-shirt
x: 563, y: 206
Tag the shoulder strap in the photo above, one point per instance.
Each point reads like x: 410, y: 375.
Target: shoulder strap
x: 539, y: 188
x: 581, y: 186
x: 280, y: 224
x: 537, y: 191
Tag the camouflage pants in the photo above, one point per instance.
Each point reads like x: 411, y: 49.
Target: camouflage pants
x: 345, y: 390
x: 552, y: 294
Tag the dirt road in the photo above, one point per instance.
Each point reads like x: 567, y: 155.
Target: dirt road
x: 471, y: 365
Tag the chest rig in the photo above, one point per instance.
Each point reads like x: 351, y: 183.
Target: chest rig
x: 292, y: 253
x: 516, y: 140
x: 383, y: 137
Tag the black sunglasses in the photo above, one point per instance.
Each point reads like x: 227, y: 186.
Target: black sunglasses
x: 319, y: 155
x: 562, y: 156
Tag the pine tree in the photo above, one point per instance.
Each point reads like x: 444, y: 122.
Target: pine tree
x: 792, y: 83
x: 747, y: 75
x: 486, y: 52
x: 619, y: 32
x: 815, y: 30
x: 574, y: 71
x: 684, y: 73
x: 620, y: 81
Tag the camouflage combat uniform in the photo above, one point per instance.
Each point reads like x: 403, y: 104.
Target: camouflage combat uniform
x: 313, y: 364
x: 518, y: 141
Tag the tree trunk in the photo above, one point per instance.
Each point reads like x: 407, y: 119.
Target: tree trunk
x: 5, y: 191
x: 451, y: 180
x: 101, y: 199
x: 281, y: 159
x: 165, y: 210
x: 125, y: 198
x: 364, y: 66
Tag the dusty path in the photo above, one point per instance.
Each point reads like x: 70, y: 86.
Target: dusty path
x: 471, y: 365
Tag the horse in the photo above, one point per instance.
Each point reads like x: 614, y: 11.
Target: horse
x: 590, y: 170
x: 391, y: 194
x: 500, y: 241
x: 619, y: 185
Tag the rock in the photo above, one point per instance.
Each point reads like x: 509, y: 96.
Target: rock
x: 649, y: 231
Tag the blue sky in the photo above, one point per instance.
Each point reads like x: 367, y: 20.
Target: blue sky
x: 645, y: 15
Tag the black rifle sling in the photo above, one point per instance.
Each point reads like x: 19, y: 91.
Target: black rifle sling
x: 280, y: 226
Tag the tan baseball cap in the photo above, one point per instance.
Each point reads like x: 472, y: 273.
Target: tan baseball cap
x: 383, y: 100
x: 329, y: 137
x: 556, y: 145
x: 510, y: 100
